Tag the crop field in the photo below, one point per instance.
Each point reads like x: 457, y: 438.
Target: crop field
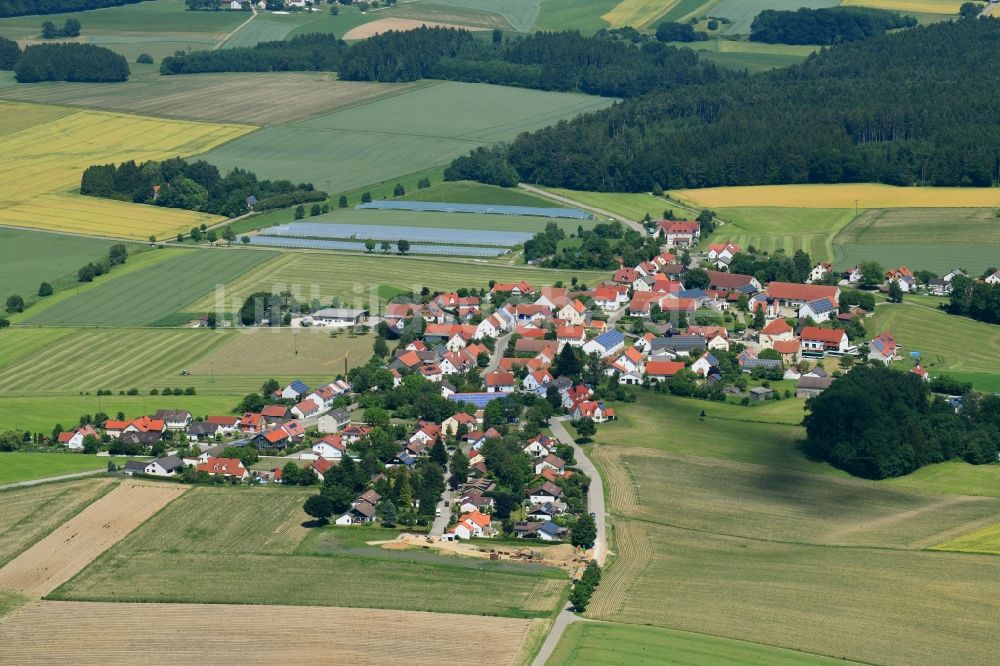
x: 209, y: 97
x: 361, y: 281
x: 788, y: 229
x: 921, y: 6
x: 31, y: 257
x: 75, y: 543
x: 443, y: 13
x: 636, y: 13
x: 398, y: 25
x: 23, y: 466
x: 598, y: 643
x: 155, y: 293
x: 265, y: 27
x: 756, y: 550
x: 934, y: 239
x: 752, y: 56
x: 986, y: 540
x: 866, y: 195
x: 743, y: 13
x: 35, y: 191
x: 933, y: 333
x: 519, y: 14
x: 397, y: 135
x: 55, y: 632
x: 582, y: 15
x: 179, y: 556
x: 31, y: 513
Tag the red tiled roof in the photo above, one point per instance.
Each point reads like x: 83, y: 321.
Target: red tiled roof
x: 500, y: 379
x: 791, y: 291
x: 832, y: 336
x: 664, y: 368
x: 786, y: 346
x: 777, y: 327
x: 278, y: 411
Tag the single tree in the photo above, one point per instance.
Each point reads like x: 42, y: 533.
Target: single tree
x: 342, y: 202
x: 71, y: 28
x: 300, y: 212
x: 389, y: 516
x: 399, y: 190
x: 211, y: 236
x: 381, y: 348
x: 245, y: 240
x: 152, y: 239
x: 459, y: 468
x: 315, y: 210
x: 385, y: 247
x: 586, y: 429
x: 895, y: 292
x: 49, y: 30
x: 584, y: 532
x: 45, y: 289
x: 366, y: 197
x: 759, y: 321
x: 370, y: 245
x: 403, y: 246
x: 15, y: 303
x: 144, y: 59
x: 439, y: 454
x: 319, y: 507
x: 228, y: 234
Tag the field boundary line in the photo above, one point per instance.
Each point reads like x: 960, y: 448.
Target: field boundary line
x: 227, y: 37
x: 51, y: 479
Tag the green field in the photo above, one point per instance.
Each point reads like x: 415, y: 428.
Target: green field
x: 935, y: 335
x: 465, y: 191
x: 31, y: 513
x: 31, y: 257
x: 41, y: 413
x: 435, y: 220
x: 208, y: 97
x: 586, y: 643
x: 935, y: 239
x: 743, y: 13
x: 397, y: 135
x: 582, y: 15
x: 986, y: 540
x: 153, y: 294
x: 953, y: 477
x: 790, y: 229
x: 752, y: 56
x: 19, y: 466
x: 633, y: 206
x: 187, y: 554
x: 265, y: 27
x: 361, y: 281
x: 519, y: 14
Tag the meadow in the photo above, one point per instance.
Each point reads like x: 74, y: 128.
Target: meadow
x: 598, y: 643
x: 788, y: 229
x: 752, y: 56
x: 986, y: 540
x: 935, y: 335
x: 397, y: 135
x: 582, y: 15
x: 31, y: 513
x: 155, y: 294
x: 743, y: 13
x: 39, y: 413
x: 209, y: 97
x: 179, y: 557
x: 364, y: 281
x: 35, y: 192
x: 519, y: 14
x: 467, y: 191
x: 634, y: 206
x: 933, y: 239
x: 31, y: 257
x: 23, y: 466
x: 847, y: 195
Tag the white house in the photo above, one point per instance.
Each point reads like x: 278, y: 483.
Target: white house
x: 167, y: 466
x: 294, y: 391
x: 573, y: 313
x: 823, y: 340
x: 305, y: 409
x: 175, y: 419
x: 819, y: 310
x: 605, y: 344
x: 330, y: 447
x: 490, y: 327
x: 993, y: 278
x: 819, y: 271
x: 546, y: 493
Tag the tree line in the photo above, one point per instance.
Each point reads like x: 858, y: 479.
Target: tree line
x: 29, y: 7
x: 876, y: 422
x: 824, y: 26
x: 177, y: 183
x: 312, y: 52
x: 905, y: 108
x: 978, y: 300
x: 70, y: 62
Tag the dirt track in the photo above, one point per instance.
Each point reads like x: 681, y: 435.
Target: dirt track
x: 72, y: 546
x: 66, y: 632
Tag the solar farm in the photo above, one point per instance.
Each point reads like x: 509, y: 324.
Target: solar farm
x: 317, y: 244
x: 485, y: 209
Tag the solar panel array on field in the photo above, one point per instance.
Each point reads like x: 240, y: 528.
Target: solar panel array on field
x: 444, y: 207
x: 315, y: 244
x: 392, y: 233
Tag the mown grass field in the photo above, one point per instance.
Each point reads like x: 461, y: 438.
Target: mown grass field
x: 156, y: 293
x: 39, y: 413
x: 606, y: 643
x: 466, y: 191
x: 634, y: 206
x: 867, y: 195
x: 788, y: 229
x: 358, y: 280
x: 938, y: 337
x: 519, y: 14
x: 23, y: 466
x: 934, y: 239
x: 582, y: 15
x: 244, y: 98
x: 36, y: 190
x: 825, y: 565
x: 184, y: 554
x: 31, y: 513
x: 636, y: 13
x: 752, y: 56
x: 953, y: 477
x: 31, y: 257
x: 390, y: 137
x: 986, y: 540
x: 742, y: 13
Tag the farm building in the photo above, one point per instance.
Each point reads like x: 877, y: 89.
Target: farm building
x: 338, y: 317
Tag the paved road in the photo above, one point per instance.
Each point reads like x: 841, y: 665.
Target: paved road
x: 49, y: 479
x: 595, y: 496
x: 576, y: 204
x: 565, y: 618
x: 498, y: 350
x: 441, y: 522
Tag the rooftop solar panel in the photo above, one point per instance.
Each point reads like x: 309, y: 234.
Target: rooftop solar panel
x: 489, y: 209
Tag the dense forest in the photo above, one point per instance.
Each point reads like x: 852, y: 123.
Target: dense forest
x: 877, y: 423
x: 917, y: 106
x: 29, y: 7
x: 10, y: 52
x: 70, y: 62
x: 312, y: 52
x: 978, y: 300
x: 824, y: 26
x: 176, y: 183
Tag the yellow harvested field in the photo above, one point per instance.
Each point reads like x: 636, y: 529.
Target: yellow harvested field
x: 48, y: 158
x: 921, y: 6
x: 867, y: 195
x: 67, y: 632
x: 77, y: 542
x: 398, y: 24
x: 636, y: 13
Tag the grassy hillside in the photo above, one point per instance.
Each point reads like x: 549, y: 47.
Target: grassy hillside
x: 31, y: 257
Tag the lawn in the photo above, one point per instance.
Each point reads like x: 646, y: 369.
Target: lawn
x: 155, y: 293
x: 31, y: 257
x: 790, y: 229
x: 930, y: 238
x: 582, y: 15
x: 184, y: 553
x: 36, y: 191
x: 208, y: 97
x: 31, y: 513
x: 586, y: 643
x: 358, y: 280
x: 848, y: 195
x: 934, y: 334
x: 397, y: 135
x: 19, y: 466
x: 986, y: 540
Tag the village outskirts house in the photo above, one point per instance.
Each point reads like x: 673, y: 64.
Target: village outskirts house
x: 819, y: 341
x: 175, y: 419
x: 73, y: 439
x: 333, y: 421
